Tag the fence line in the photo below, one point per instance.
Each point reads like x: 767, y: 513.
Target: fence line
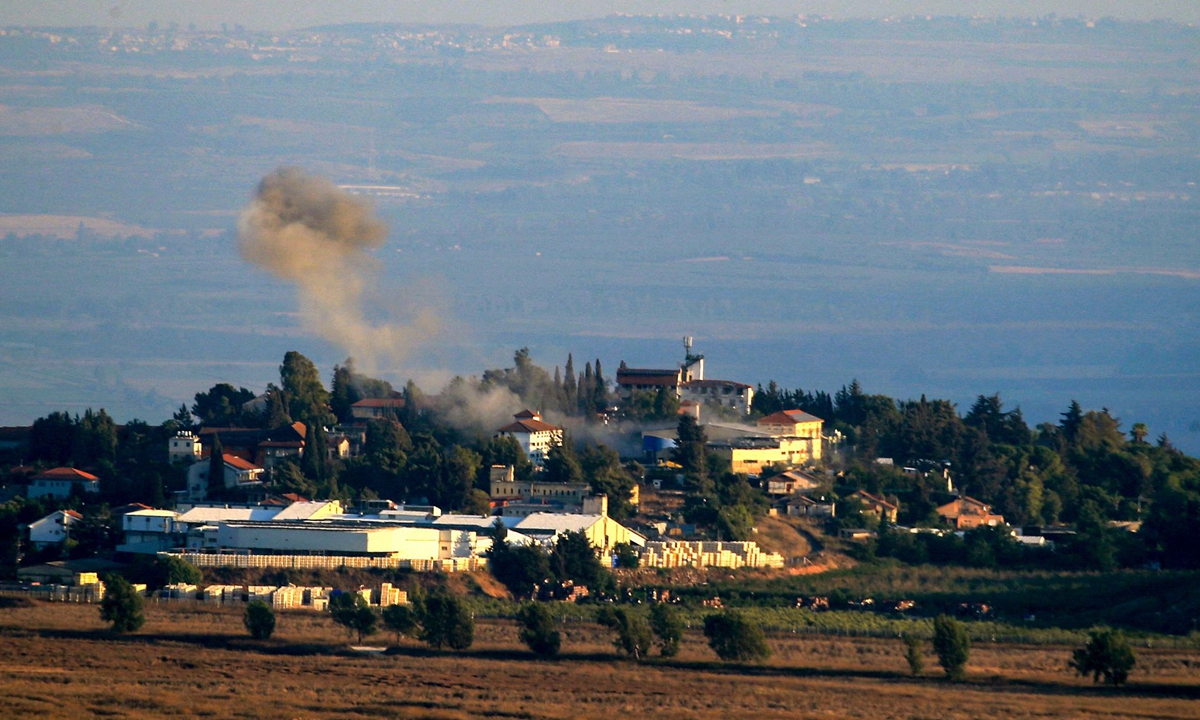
x: 330, y: 562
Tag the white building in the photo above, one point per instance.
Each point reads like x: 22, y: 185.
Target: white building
x: 184, y: 447
x: 238, y: 473
x: 726, y: 393
x: 150, y: 531
x: 536, y: 437
x: 52, y: 529
x: 60, y: 481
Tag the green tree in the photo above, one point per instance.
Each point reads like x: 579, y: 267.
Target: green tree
x: 171, y: 570
x: 259, y: 620
x: 122, y: 605
x: 573, y: 558
x: 522, y: 569
x: 604, y: 474
x: 221, y: 406
x: 351, y: 611
x: 733, y: 636
x: 446, y: 621
x: 562, y: 464
x: 633, y: 635
x: 308, y: 401
x: 667, y: 626
x: 216, y: 468
x: 952, y: 643
x: 539, y: 629
x: 1107, y: 654
x: 913, y: 654
x: 400, y: 619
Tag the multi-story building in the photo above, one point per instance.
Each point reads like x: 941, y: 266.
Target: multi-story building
x: 535, y: 436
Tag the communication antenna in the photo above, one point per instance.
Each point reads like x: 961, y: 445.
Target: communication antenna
x: 687, y: 346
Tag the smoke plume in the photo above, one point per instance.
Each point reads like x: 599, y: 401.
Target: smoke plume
x: 305, y: 230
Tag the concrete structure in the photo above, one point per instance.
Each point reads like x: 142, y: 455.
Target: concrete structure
x: 61, y: 481
x: 503, y: 487
x: 184, y: 447
x: 67, y: 572
x: 791, y: 423
x: 805, y: 506
x: 726, y: 393
x: 151, y: 531
x: 753, y: 455
x: 52, y: 529
x: 535, y: 437
x: 602, y: 531
x: 791, y: 482
x: 967, y: 513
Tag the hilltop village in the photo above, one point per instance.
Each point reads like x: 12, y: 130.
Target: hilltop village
x: 661, y: 468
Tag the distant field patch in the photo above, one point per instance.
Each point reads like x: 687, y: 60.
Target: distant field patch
x: 1027, y: 270
x: 634, y: 110
x: 66, y: 227
x: 1121, y: 128
x: 588, y: 150
x: 55, y: 121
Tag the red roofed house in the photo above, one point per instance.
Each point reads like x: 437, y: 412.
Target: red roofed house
x: 372, y: 408
x: 966, y: 513
x: 877, y: 506
x: 60, y: 481
x: 536, y: 437
x: 238, y: 473
x: 52, y: 529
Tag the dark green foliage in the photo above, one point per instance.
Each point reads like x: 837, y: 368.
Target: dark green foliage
x: 446, y: 621
x: 952, y: 643
x: 626, y: 556
x: 171, y: 570
x: 573, y: 558
x: 735, y: 637
x: 401, y: 619
x: 633, y: 635
x: 667, y: 626
x: 1107, y: 655
x: 913, y: 654
x: 522, y: 569
x: 122, y: 605
x: 352, y: 612
x: 603, y: 472
x: 307, y: 399
x: 221, y: 406
x: 259, y: 620
x: 539, y: 629
x: 562, y: 464
x: 216, y: 468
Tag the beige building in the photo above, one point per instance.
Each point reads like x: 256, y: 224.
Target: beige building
x: 794, y: 424
x: 754, y: 455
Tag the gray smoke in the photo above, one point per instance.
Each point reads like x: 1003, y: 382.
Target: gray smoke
x: 305, y: 230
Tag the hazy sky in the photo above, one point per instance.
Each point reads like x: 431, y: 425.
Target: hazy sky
x: 278, y: 14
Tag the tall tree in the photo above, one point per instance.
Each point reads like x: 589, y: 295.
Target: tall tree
x: 599, y: 390
x: 216, y: 468
x: 308, y: 401
x: 221, y: 406
x: 570, y: 387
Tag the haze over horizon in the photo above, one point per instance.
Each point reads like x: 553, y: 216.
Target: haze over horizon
x: 278, y: 15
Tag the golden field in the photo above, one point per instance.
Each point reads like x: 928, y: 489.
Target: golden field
x: 59, y: 661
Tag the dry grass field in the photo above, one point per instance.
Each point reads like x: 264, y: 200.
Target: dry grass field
x: 58, y: 661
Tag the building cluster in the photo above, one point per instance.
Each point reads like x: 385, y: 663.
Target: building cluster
x: 287, y: 597
x: 789, y: 438
x: 688, y: 384
x: 683, y: 553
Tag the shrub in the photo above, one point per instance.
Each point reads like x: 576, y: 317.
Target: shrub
x: 952, y: 643
x: 1107, y: 654
x: 447, y: 622
x: 912, y: 653
x: 352, y: 612
x: 400, y: 619
x: 633, y: 637
x: 259, y: 620
x: 539, y: 630
x: 122, y: 605
x: 173, y: 571
x: 733, y: 636
x: 667, y: 626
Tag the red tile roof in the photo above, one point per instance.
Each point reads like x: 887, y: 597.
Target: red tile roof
x: 65, y: 473
x: 379, y: 403
x: 528, y: 415
x: 236, y: 462
x: 528, y: 426
x: 73, y: 514
x: 789, y: 417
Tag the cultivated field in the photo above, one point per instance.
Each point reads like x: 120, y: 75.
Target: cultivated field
x: 188, y: 661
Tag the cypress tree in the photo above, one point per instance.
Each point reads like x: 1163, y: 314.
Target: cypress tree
x: 570, y: 387
x: 599, y: 390
x: 216, y: 467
